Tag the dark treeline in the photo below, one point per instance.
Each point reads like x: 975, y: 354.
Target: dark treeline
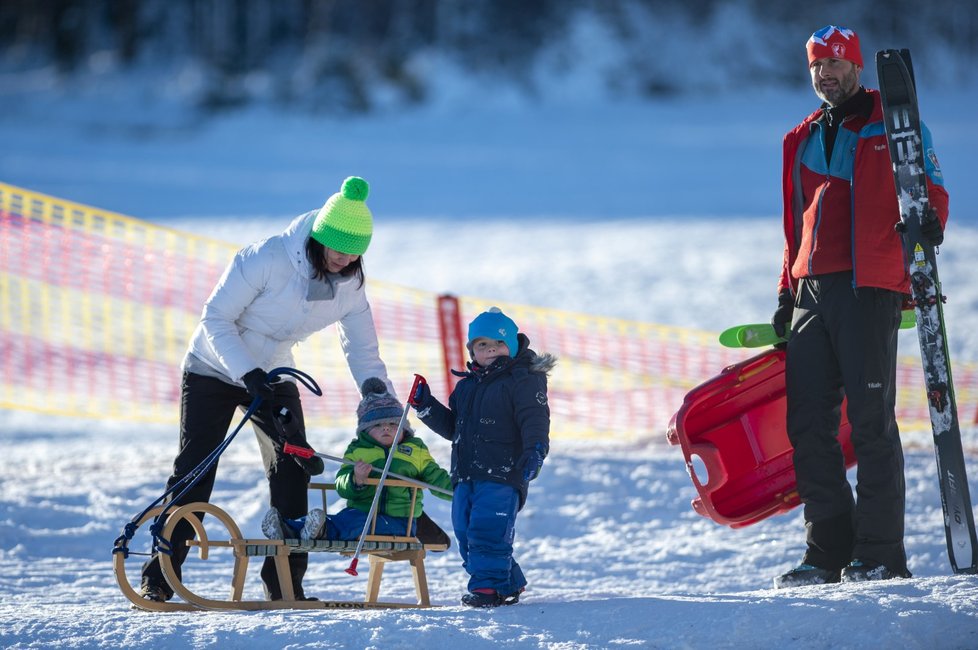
x: 332, y: 54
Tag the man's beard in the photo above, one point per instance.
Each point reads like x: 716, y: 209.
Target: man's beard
x: 847, y: 88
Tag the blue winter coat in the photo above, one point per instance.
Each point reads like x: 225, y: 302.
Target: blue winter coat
x: 493, y: 416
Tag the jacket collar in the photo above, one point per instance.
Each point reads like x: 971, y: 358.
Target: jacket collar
x: 861, y: 103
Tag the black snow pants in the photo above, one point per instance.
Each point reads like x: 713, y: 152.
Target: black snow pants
x: 843, y: 343
x: 207, y: 407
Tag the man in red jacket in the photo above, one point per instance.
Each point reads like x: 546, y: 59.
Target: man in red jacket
x: 841, y: 289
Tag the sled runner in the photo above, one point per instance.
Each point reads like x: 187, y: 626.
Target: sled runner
x: 237, y: 552
x: 735, y: 424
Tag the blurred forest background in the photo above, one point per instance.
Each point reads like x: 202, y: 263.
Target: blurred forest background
x: 358, y: 56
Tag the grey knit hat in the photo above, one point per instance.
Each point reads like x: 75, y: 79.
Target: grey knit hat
x: 377, y: 405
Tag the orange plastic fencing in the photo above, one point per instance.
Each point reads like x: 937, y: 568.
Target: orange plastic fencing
x: 96, y: 310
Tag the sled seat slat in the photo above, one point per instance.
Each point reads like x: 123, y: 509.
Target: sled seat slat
x: 262, y: 548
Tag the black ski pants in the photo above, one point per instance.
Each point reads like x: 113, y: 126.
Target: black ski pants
x: 844, y: 343
x: 207, y: 407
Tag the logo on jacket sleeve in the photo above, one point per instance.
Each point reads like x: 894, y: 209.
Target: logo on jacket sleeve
x: 932, y: 157
x: 542, y: 398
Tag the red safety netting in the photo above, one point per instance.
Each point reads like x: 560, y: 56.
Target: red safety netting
x: 96, y: 310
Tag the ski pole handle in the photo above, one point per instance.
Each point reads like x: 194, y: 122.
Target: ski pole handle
x: 413, y: 395
x: 296, y: 450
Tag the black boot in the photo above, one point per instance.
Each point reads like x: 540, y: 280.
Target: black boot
x: 865, y: 570
x: 805, y: 575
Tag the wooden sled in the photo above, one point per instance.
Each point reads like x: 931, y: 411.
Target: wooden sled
x: 380, y: 549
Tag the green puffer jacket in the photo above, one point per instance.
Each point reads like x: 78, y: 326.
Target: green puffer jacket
x: 412, y: 459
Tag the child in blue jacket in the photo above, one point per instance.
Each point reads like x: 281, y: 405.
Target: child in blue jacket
x: 498, y: 421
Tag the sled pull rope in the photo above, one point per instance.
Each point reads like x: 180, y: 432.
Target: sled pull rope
x: 162, y: 545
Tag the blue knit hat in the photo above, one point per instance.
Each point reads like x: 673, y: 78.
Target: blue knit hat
x: 377, y: 405
x: 495, y: 325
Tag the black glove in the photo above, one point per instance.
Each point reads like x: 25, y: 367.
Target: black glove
x: 256, y: 381
x: 931, y: 229
x: 781, y: 321
x: 531, y: 461
x: 313, y: 465
x: 422, y: 395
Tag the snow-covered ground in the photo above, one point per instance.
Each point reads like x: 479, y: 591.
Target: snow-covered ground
x: 665, y: 213
x: 614, y: 555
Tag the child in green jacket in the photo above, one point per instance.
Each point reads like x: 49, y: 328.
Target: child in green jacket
x: 378, y: 416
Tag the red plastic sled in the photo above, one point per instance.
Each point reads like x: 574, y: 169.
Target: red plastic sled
x: 735, y: 424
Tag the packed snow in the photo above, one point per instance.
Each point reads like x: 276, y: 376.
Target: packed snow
x: 664, y: 213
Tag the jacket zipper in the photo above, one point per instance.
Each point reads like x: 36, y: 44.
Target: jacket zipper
x: 818, y: 211
x: 818, y: 222
x: 852, y: 204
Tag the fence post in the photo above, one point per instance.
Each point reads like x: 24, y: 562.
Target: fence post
x: 452, y: 340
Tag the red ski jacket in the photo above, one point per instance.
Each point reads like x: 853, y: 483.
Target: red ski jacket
x: 842, y: 217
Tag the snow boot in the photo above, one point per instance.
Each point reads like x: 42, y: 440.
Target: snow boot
x: 513, y: 598
x: 490, y: 598
x: 482, y: 598
x: 805, y: 575
x: 863, y: 571
x: 273, y: 525
x: 314, y: 525
x: 154, y: 593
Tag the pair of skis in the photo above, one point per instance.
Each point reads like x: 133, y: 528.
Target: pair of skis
x: 902, y: 125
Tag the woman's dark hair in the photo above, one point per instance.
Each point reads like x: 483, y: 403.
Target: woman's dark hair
x: 316, y: 254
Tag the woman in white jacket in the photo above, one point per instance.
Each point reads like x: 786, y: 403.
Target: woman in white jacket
x: 273, y: 294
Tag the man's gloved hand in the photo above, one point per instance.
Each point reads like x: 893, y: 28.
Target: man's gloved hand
x: 421, y: 396
x: 256, y: 381
x: 931, y: 229
x: 531, y: 462
x: 781, y: 321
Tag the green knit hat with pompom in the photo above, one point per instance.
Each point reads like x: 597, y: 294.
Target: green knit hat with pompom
x: 344, y: 223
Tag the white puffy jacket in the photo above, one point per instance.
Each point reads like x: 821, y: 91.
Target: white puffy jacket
x: 261, y: 308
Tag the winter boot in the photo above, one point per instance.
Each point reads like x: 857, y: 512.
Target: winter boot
x: 314, y: 526
x: 513, y: 598
x: 273, y: 525
x: 154, y: 593
x: 805, y: 575
x: 490, y: 598
x: 864, y: 570
x: 482, y: 598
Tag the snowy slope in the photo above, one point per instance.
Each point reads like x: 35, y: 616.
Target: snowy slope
x: 614, y: 556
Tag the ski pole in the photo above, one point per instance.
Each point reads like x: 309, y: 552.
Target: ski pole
x: 306, y: 452
x: 352, y: 569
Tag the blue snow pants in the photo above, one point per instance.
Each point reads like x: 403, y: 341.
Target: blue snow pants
x: 484, y: 518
